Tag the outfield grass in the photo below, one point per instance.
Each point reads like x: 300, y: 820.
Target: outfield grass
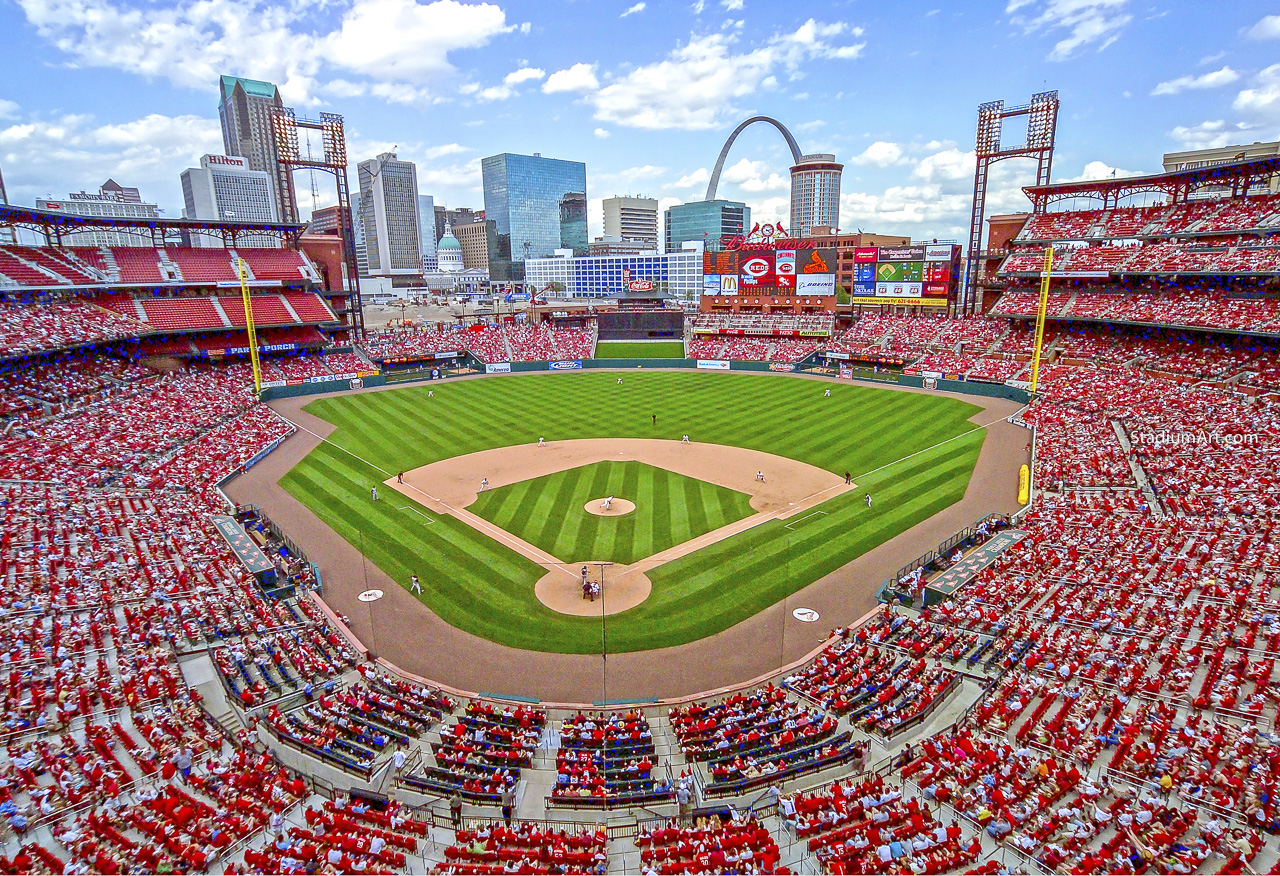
x: 889, y: 440
x: 549, y: 511
x: 640, y: 349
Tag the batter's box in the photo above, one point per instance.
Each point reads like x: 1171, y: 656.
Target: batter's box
x: 415, y: 511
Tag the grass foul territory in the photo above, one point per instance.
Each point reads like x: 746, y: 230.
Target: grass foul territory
x: 890, y: 441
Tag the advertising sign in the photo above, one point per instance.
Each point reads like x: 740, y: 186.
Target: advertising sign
x: 816, y: 284
x: 713, y: 364
x: 497, y: 368
x: 846, y: 372
x: 904, y: 272
x: 864, y: 272
x: 640, y: 286
x: 866, y: 255
x: 757, y: 271
x: 937, y: 252
x: 711, y: 284
x: 782, y: 366
x: 820, y: 261
x: 729, y: 284
x: 898, y: 290
x: 902, y: 253
x: 937, y: 272
x: 574, y: 365
x: 784, y: 265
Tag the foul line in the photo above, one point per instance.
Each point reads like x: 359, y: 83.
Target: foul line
x: 804, y: 518
x: 415, y: 511
x: 493, y: 531
x: 548, y: 560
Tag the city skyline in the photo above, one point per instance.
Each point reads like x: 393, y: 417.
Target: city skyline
x: 644, y: 95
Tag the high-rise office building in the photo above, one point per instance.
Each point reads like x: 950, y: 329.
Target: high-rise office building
x: 426, y: 233
x: 389, y: 215
x: 705, y: 222
x: 533, y: 206
x: 223, y: 188
x: 244, y: 108
x: 474, y: 237
x: 632, y: 219
x: 446, y: 218
x: 815, y: 194
x: 110, y: 200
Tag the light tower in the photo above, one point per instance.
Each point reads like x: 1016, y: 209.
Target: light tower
x: 1042, y: 127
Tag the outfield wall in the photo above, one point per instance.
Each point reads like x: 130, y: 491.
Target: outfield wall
x: 380, y: 379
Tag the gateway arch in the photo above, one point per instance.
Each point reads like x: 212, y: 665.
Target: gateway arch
x: 724, y: 151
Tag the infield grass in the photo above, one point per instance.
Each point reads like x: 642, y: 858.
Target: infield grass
x: 913, y: 452
x: 550, y: 511
x: 640, y: 349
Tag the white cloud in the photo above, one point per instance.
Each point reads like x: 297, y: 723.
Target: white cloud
x: 399, y: 43
x: 1087, y: 22
x: 1263, y: 98
x: 1216, y: 79
x: 1206, y: 135
x: 659, y: 96
x: 947, y: 164
x: 446, y: 149
x: 695, y: 179
x: 639, y: 7
x: 8, y: 109
x: 602, y: 133
x: 732, y: 5
x: 1267, y: 28
x: 71, y: 152
x: 755, y: 176
x: 524, y: 74
x: 579, y: 77
x: 1095, y: 170
x: 879, y: 154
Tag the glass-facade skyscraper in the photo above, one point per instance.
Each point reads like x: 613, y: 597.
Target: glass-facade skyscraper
x: 705, y: 222
x: 532, y: 206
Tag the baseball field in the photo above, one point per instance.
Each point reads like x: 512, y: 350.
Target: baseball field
x: 913, y: 453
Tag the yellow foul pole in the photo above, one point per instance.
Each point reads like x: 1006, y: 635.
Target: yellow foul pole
x: 249, y: 327
x: 1041, y: 313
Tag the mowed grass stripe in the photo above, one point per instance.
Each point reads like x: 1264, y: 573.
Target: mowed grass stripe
x: 479, y: 585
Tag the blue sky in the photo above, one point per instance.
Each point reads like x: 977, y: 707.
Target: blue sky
x: 644, y: 92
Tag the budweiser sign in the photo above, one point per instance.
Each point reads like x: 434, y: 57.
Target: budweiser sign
x: 767, y: 236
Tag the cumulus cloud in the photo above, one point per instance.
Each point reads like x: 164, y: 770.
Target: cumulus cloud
x: 1086, y: 22
x: 602, y: 133
x: 8, y: 109
x: 1207, y: 135
x: 579, y: 77
x: 657, y: 96
x: 403, y: 46
x: 148, y: 152
x: 1266, y: 28
x: 879, y: 154
x: 1216, y: 79
x: 1262, y: 98
x: 694, y: 179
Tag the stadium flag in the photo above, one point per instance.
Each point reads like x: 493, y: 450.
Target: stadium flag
x: 1024, y: 485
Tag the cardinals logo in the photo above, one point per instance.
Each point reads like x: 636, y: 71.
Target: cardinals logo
x: 816, y: 265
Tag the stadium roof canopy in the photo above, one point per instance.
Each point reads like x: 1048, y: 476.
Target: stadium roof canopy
x: 54, y: 223
x: 1236, y: 176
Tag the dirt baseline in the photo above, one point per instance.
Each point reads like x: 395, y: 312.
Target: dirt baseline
x: 448, y: 486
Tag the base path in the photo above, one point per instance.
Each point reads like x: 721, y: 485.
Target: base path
x: 413, y: 637
x: 448, y: 486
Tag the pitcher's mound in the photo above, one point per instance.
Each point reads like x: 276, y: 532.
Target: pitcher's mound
x: 624, y: 588
x: 617, y: 507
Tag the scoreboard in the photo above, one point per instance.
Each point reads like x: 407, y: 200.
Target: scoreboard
x: 785, y: 271
x: 920, y: 274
